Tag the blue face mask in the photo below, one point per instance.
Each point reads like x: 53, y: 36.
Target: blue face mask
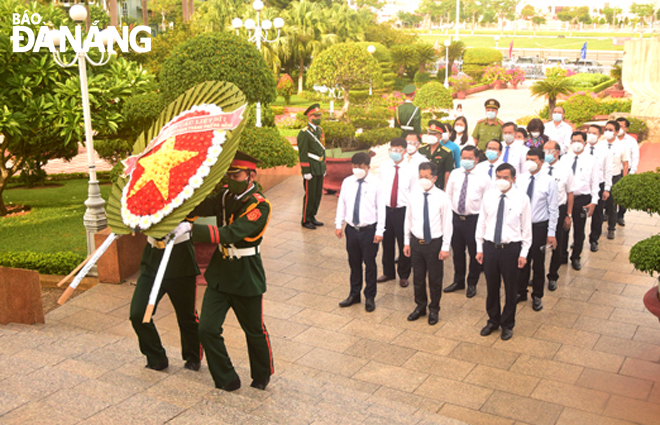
x: 491, y: 155
x: 396, y: 156
x: 467, y: 163
x: 556, y: 117
x: 549, y: 157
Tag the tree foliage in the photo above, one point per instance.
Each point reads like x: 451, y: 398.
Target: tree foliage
x: 551, y: 88
x: 433, y: 96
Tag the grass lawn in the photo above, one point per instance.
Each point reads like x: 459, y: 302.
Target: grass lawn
x: 552, y: 34
x: 55, y: 223
x: 530, y: 42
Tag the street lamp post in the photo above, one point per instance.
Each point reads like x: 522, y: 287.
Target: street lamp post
x: 447, y: 44
x: 260, y: 35
x: 371, y: 49
x: 94, y: 218
x: 497, y: 41
x: 458, y: 5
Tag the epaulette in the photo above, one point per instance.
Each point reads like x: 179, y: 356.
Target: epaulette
x: 482, y: 120
x: 446, y: 148
x: 258, y: 197
x: 500, y: 121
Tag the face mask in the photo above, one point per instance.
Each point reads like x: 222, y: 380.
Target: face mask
x: 238, y: 187
x: 411, y: 149
x: 459, y: 129
x: 577, y: 147
x: 491, y: 155
x: 556, y: 117
x: 359, y: 173
x: 316, y: 121
x: 621, y: 132
x: 396, y: 156
x: 425, y: 184
x: 549, y: 158
x: 592, y: 138
x: 609, y: 134
x: 502, y: 185
x: 491, y: 115
x: 429, y: 139
x: 535, y: 134
x: 468, y: 164
x: 531, y: 166
x: 508, y: 138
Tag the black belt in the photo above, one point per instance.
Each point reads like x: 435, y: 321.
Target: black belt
x: 396, y: 208
x: 363, y: 228
x: 466, y: 217
x: 423, y: 242
x: 502, y: 245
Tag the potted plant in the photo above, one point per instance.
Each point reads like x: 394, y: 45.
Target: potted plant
x: 517, y: 76
x: 641, y: 192
x: 637, y: 128
x: 434, y: 97
x: 461, y: 84
x: 497, y: 76
x: 617, y: 73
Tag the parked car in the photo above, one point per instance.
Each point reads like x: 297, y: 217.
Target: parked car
x: 531, y: 65
x: 589, y: 66
x: 553, y: 62
x: 618, y: 62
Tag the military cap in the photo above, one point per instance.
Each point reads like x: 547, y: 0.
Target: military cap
x: 409, y: 89
x: 492, y: 103
x: 313, y: 110
x: 435, y: 126
x: 243, y: 162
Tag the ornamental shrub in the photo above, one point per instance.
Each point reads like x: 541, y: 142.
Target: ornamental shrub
x: 219, y: 56
x: 477, y: 59
x: 382, y: 53
x: 286, y: 88
x: 638, y: 127
x: 60, y: 263
x: 368, y: 124
x: 269, y: 146
x: 338, y: 135
x: 434, y: 96
x: 523, y: 121
x: 422, y: 78
x: 378, y: 136
x: 610, y: 106
x: 585, y: 80
x: 645, y: 255
x: 580, y: 108
x: 277, y: 110
x: 495, y: 73
x: 267, y: 116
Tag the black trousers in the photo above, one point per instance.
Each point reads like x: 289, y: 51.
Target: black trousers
x: 597, y: 217
x: 501, y: 263
x: 562, y: 244
x: 425, y: 262
x: 362, y: 249
x: 579, y: 223
x: 535, y: 262
x: 394, y: 221
x: 610, y: 206
x: 464, y: 229
x: 312, y: 198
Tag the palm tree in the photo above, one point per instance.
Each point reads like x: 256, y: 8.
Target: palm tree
x: 403, y: 57
x: 344, y: 22
x: 456, y: 50
x: 551, y: 88
x: 424, y: 54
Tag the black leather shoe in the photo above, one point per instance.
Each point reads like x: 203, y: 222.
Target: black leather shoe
x: 576, y: 264
x: 309, y: 226
x: 594, y: 246
x: 192, y: 365
x: 161, y: 366
x: 383, y: 278
x: 454, y: 287
x: 552, y: 285
x: 369, y: 305
x: 260, y: 384
x: 506, y: 334
x: 537, y: 305
x: 317, y: 223
x: 471, y: 291
x: 416, y: 314
x: 403, y: 283
x: 621, y: 222
x: 610, y: 234
x: 521, y: 298
x: 488, y: 329
x: 433, y: 318
x: 352, y: 299
x: 233, y: 385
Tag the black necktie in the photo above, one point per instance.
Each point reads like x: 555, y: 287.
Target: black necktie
x: 574, y: 167
x: 427, y: 220
x: 490, y: 172
x: 497, y: 238
x: 530, y: 188
x: 356, y: 207
x: 592, y: 150
x: 550, y: 173
x: 609, y: 146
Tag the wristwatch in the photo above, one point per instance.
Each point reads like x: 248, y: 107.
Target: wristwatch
x: 569, y: 215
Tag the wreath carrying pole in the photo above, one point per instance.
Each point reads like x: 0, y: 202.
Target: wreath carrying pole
x: 155, y: 289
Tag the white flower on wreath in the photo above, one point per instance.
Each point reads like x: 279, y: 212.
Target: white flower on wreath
x: 157, y: 217
x: 214, y: 151
x: 203, y: 171
x: 187, y: 192
x: 133, y: 222
x: 176, y: 203
x: 167, y: 209
x: 145, y: 222
x: 195, y: 182
x: 209, y: 162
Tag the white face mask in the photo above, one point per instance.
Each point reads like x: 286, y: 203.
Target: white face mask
x: 577, y: 147
x: 621, y: 132
x: 531, y: 166
x: 430, y: 140
x: 359, y: 173
x: 508, y: 138
x: 459, y: 129
x: 425, y: 184
x: 503, y: 185
x: 445, y: 137
x: 609, y: 134
x: 411, y: 149
x: 536, y: 134
x: 491, y: 115
x: 591, y: 138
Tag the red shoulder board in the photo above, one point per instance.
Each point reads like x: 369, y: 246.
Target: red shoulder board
x: 254, y: 215
x: 258, y: 197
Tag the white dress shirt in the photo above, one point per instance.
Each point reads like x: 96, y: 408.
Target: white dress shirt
x: 563, y: 177
x: 604, y: 158
x: 470, y: 141
x: 544, y: 202
x: 407, y: 181
x: 633, y: 152
x: 415, y: 160
x: 478, y: 184
x: 440, y: 216
x: 517, y: 224
x: 586, y: 178
x: 372, y: 203
x: 485, y: 166
x: 618, y: 155
x: 559, y: 133
x: 517, y: 156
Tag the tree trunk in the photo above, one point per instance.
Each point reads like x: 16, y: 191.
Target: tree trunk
x: 191, y: 9
x: 344, y: 108
x: 184, y: 11
x: 551, y: 105
x: 6, y: 173
x: 300, y: 75
x: 114, y: 19
x: 145, y: 13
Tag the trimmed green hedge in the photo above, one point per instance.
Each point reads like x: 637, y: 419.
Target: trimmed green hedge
x: 602, y: 86
x: 60, y: 263
x: 338, y: 135
x: 269, y: 146
x: 645, y: 255
x: 378, y: 136
x: 585, y: 80
x: 476, y: 60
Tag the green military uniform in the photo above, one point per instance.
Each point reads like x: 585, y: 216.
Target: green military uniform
x: 486, y: 131
x: 311, y: 154
x: 408, y: 118
x: 179, y: 283
x: 236, y: 280
x: 444, y: 160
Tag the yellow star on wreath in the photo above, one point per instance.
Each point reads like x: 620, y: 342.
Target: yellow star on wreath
x: 157, y: 167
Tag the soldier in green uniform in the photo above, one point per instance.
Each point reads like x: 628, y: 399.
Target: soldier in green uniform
x: 489, y: 128
x: 440, y: 155
x: 311, y: 154
x: 179, y: 284
x: 235, y: 274
x: 408, y: 117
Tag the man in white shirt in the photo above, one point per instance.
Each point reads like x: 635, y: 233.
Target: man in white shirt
x: 362, y: 207
x: 598, y: 148
x: 428, y: 233
x: 618, y: 151
x: 504, y: 235
x: 413, y: 157
x: 633, y: 158
x: 541, y: 189
x: 564, y: 179
x: 586, y: 176
x: 493, y: 160
x: 559, y: 130
x: 397, y: 180
x: 466, y: 189
x: 512, y: 153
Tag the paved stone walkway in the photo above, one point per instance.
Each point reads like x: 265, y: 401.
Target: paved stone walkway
x: 591, y: 356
